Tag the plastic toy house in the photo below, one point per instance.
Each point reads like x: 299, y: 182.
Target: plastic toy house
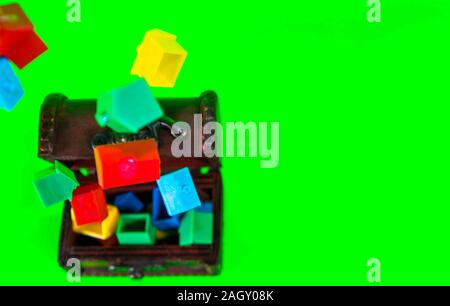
x: 10, y: 89
x: 18, y: 40
x: 55, y: 184
x: 160, y: 217
x: 67, y: 128
x: 114, y: 111
x: 89, y: 204
x: 128, y: 203
x: 196, y: 228
x: 127, y: 164
x: 160, y: 59
x: 136, y: 229
x: 98, y: 230
x: 178, y: 192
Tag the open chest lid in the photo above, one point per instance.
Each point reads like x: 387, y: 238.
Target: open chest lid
x: 68, y: 131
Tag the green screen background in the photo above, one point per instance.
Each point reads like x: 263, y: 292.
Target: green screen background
x: 363, y: 112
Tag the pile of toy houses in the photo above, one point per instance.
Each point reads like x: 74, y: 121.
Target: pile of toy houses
x: 175, y: 204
